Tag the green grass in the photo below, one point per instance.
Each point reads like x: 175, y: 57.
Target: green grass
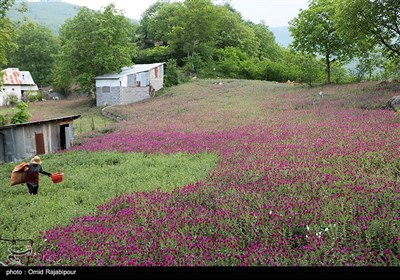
x: 90, y: 123
x: 90, y: 179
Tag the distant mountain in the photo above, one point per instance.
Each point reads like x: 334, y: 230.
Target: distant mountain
x: 50, y: 14
x: 282, y: 35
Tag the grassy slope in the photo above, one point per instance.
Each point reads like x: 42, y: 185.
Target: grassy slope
x: 237, y: 102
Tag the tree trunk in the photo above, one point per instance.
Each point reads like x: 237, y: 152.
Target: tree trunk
x: 328, y: 69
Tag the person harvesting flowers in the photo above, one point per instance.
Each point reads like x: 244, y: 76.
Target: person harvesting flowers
x: 32, y: 174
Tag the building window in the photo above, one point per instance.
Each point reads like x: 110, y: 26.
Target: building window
x: 106, y: 90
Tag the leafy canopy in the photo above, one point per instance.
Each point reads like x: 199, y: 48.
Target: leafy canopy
x: 371, y: 23
x: 314, y: 32
x: 7, y: 32
x: 93, y: 43
x: 37, y: 47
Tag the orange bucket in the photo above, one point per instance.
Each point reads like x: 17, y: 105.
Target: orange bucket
x: 57, y: 177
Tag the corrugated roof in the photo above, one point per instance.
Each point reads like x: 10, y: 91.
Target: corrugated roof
x: 12, y: 76
x: 73, y: 117
x: 137, y: 68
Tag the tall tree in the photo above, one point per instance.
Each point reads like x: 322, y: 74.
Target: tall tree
x: 314, y: 32
x: 5, y: 5
x: 371, y: 23
x: 195, y: 32
x: 93, y: 43
x: 7, y: 32
x: 155, y: 29
x: 233, y: 31
x: 36, y: 49
x: 185, y: 31
x: 268, y: 48
x: 206, y: 39
x: 154, y: 24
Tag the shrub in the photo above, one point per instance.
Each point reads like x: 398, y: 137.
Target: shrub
x: 12, y: 100
x: 22, y: 115
x: 171, y: 73
x: 4, y: 119
x: 33, y: 96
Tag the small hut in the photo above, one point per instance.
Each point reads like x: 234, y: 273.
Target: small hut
x: 21, y: 141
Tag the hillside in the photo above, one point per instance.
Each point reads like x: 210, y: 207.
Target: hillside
x: 50, y: 14
x: 54, y: 14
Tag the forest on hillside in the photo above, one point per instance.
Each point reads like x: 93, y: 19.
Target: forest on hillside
x: 197, y: 38
x: 50, y: 14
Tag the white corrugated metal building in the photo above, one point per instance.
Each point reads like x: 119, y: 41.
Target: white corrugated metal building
x: 132, y: 84
x: 15, y: 82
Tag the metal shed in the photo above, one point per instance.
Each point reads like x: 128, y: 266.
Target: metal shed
x: 132, y: 84
x: 21, y: 141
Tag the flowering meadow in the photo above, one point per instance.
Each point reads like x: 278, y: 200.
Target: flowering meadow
x: 302, y: 179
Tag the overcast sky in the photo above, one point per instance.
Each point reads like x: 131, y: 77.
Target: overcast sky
x: 274, y: 13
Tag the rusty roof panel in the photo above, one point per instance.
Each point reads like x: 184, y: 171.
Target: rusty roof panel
x: 12, y: 76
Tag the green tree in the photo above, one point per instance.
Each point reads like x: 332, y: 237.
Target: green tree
x: 207, y: 40
x: 93, y: 43
x: 5, y: 5
x: 232, y: 31
x: 171, y: 73
x: 156, y: 23
x: 268, y: 48
x: 37, y: 47
x: 154, y: 33
x: 229, y: 60
x: 7, y: 32
x: 198, y: 34
x: 369, y: 64
x: 392, y: 69
x: 195, y: 32
x: 369, y: 23
x: 314, y: 32
x: 303, y: 68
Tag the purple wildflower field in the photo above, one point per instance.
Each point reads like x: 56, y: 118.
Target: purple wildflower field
x: 301, y: 181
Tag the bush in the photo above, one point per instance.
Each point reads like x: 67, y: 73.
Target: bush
x: 273, y: 71
x: 4, y: 119
x: 33, y: 96
x: 12, y: 100
x: 171, y: 73
x: 22, y: 115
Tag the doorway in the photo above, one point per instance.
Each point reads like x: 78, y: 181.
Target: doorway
x: 63, y: 136
x: 39, y: 141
